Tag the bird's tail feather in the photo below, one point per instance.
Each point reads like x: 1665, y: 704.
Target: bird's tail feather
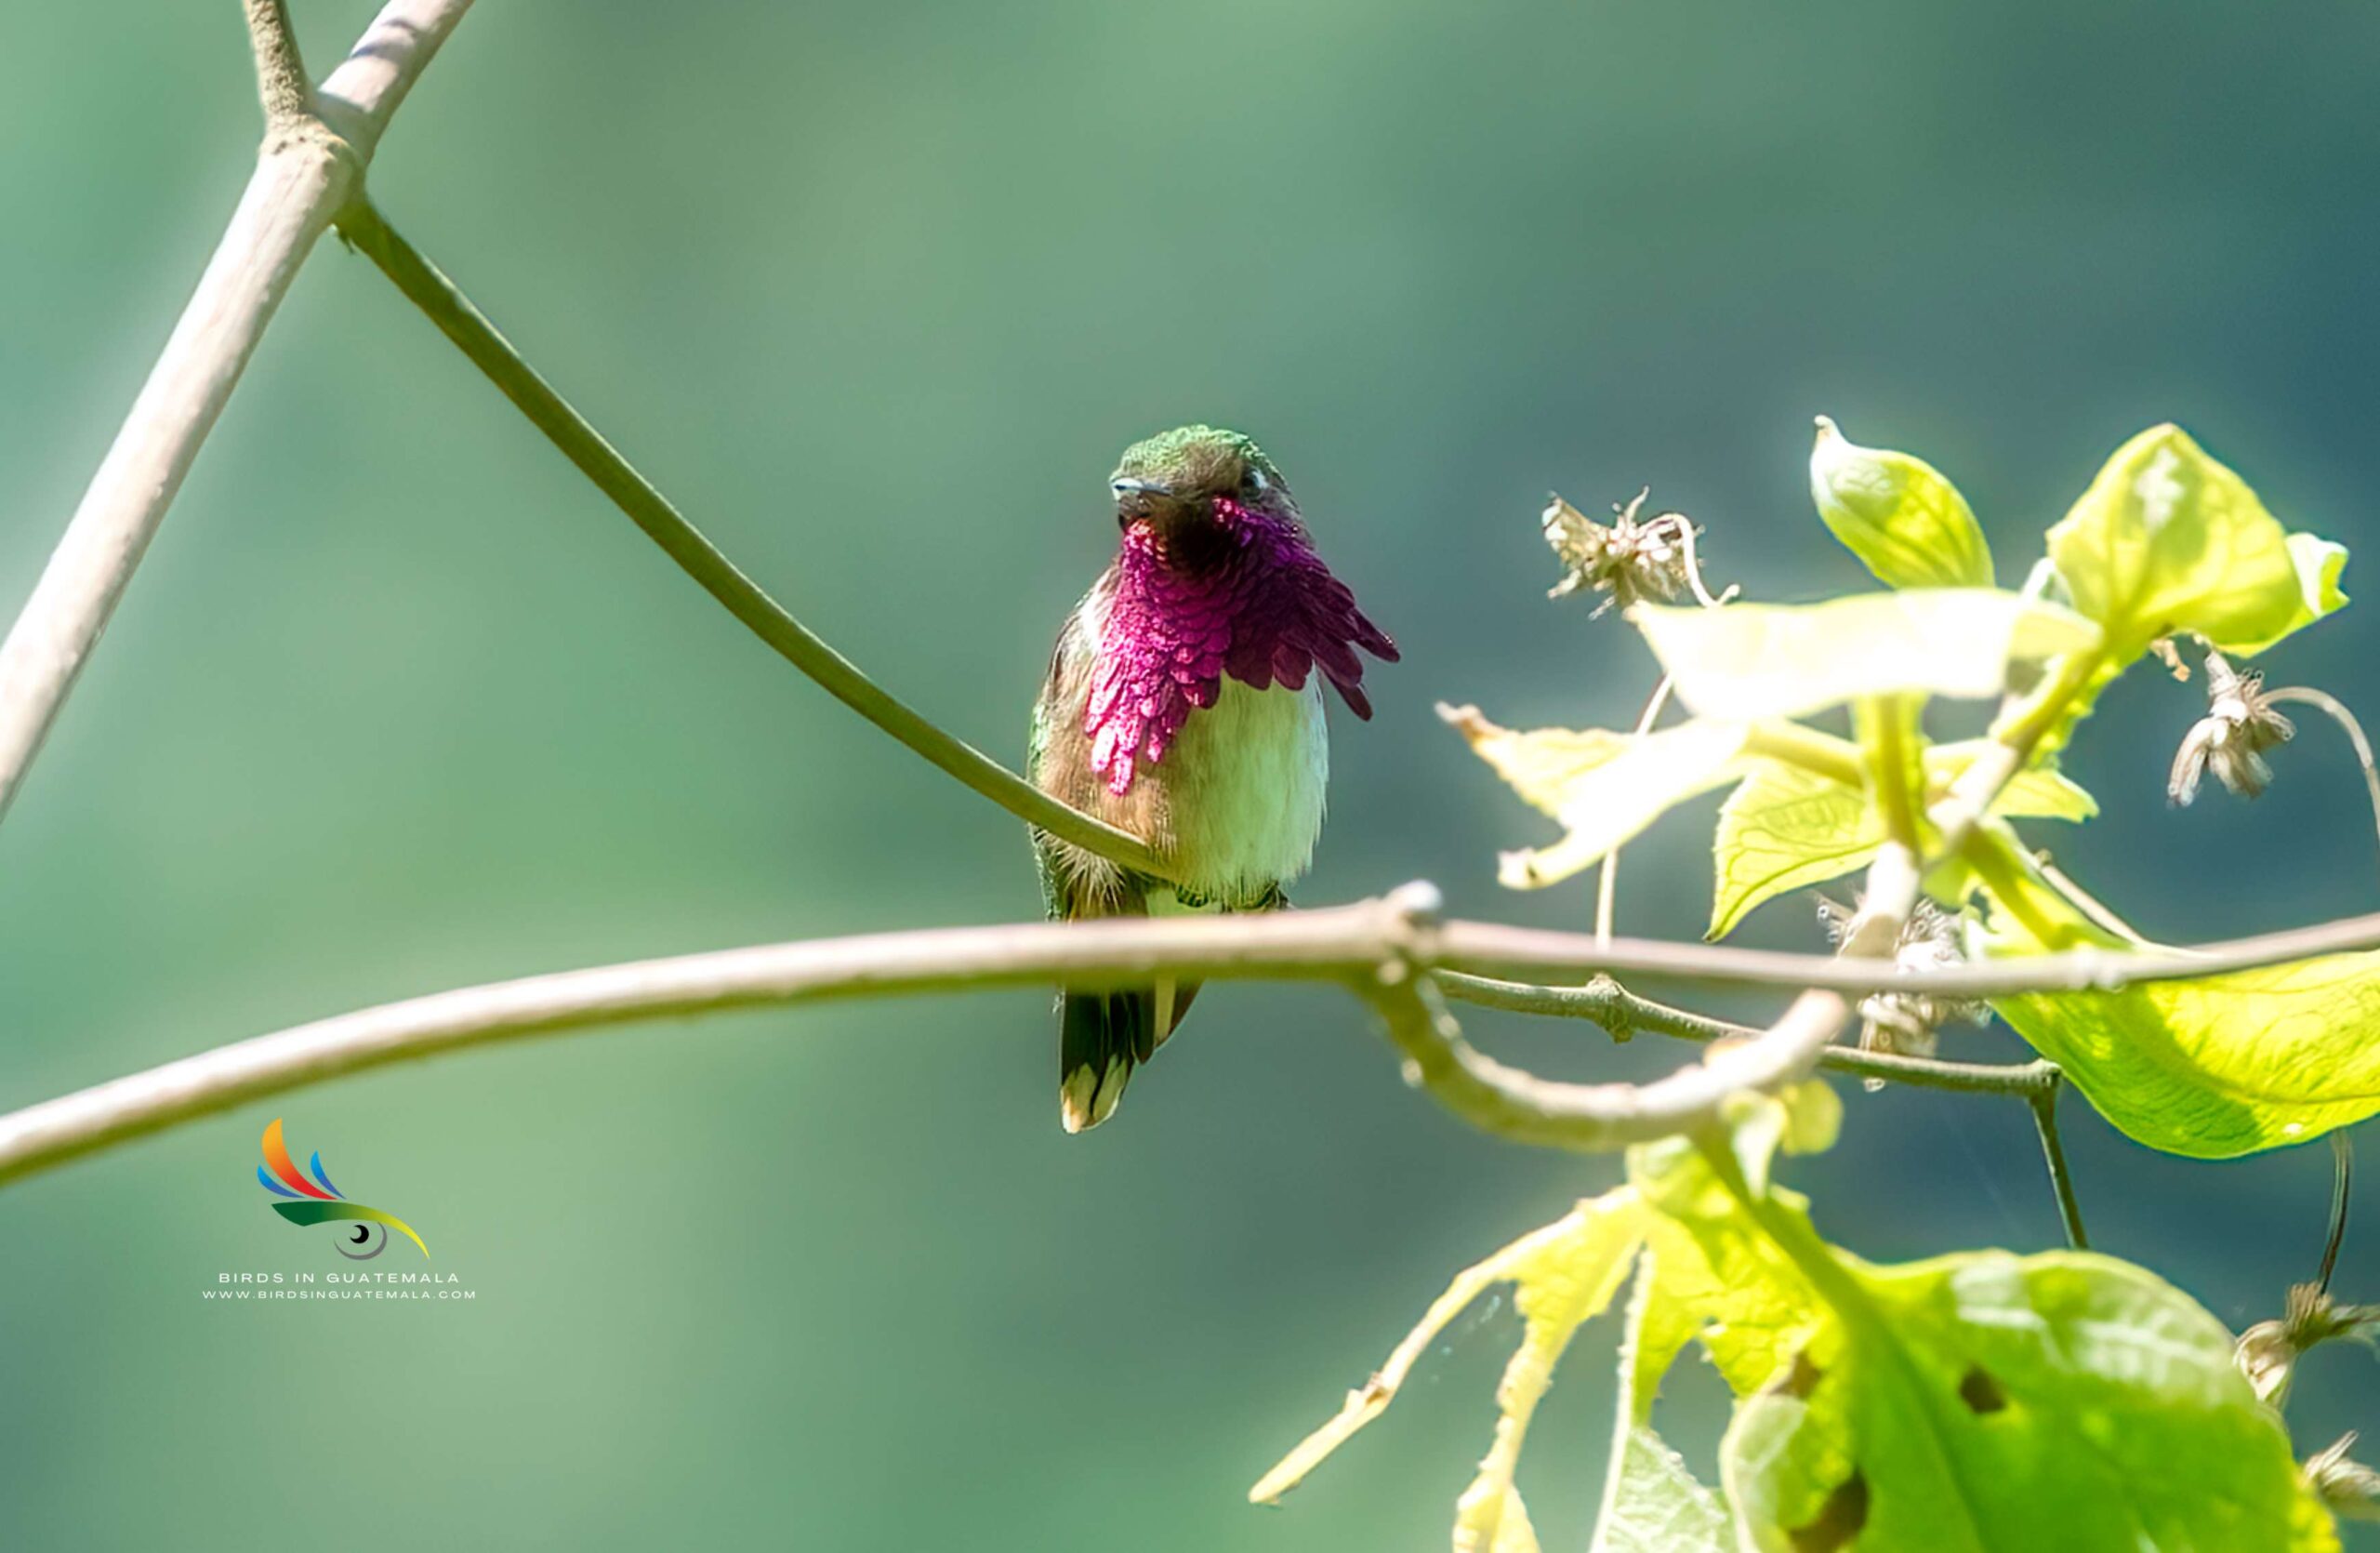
x: 1102, y: 1037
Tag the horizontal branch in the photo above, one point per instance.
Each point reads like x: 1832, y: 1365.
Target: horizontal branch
x: 462, y: 322
x: 1340, y: 943
x: 1386, y: 951
x: 305, y: 172
x: 1494, y: 950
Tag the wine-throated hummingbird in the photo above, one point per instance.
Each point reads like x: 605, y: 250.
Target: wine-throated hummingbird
x: 1184, y: 705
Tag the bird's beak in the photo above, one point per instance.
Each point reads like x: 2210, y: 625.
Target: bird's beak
x: 1139, y: 498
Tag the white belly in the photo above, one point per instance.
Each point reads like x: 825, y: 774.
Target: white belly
x: 1244, y: 788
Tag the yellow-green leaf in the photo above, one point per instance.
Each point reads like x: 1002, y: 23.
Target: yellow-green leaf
x: 2319, y: 563
x: 1786, y: 828
x: 1563, y: 1275
x: 1651, y: 1502
x: 1789, y: 828
x: 1603, y: 787
x: 1749, y: 662
x: 1899, y: 514
x: 2211, y: 1067
x: 2169, y: 539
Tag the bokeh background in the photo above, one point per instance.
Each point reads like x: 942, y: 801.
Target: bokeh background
x: 877, y: 289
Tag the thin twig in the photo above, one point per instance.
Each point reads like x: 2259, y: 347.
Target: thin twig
x: 1622, y: 1013
x: 304, y: 173
x: 282, y: 83
x: 1525, y: 1109
x: 2342, y: 1178
x: 1607, y: 872
x: 2083, y: 900
x: 2335, y: 710
x: 2043, y: 1101
x: 461, y: 322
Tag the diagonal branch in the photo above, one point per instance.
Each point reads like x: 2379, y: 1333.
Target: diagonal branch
x: 682, y: 542
x: 305, y: 170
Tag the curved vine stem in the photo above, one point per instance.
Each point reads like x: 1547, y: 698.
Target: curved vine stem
x: 2342, y: 1179
x: 2342, y: 1147
x: 2332, y: 707
x: 1608, y: 872
x: 430, y: 289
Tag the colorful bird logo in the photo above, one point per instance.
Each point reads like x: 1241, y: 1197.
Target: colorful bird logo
x: 323, y: 1203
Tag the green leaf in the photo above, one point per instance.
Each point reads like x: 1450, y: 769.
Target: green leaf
x: 1605, y: 787
x: 1788, y: 827
x: 1563, y: 1275
x: 1556, y: 1288
x: 2168, y: 539
x: 1969, y: 1404
x: 2211, y: 1067
x: 1987, y: 1401
x: 1905, y: 522
x: 1749, y: 662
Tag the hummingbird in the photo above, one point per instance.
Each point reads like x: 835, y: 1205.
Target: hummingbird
x: 1184, y: 705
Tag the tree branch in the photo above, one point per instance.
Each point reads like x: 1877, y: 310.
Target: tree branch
x: 305, y: 171
x: 650, y: 510
x: 1348, y: 945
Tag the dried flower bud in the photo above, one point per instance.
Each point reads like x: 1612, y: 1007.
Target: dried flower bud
x: 1906, y: 1024
x: 1634, y: 559
x: 2350, y: 1488
x: 2268, y: 1351
x: 2269, y: 1359
x: 2240, y: 725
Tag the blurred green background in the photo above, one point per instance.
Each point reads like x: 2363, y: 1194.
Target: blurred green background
x: 877, y: 291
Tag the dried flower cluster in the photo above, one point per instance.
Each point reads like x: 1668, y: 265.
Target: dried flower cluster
x: 2268, y: 1351
x: 2230, y: 740
x: 1634, y: 558
x: 1906, y: 1024
x: 2350, y: 1488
